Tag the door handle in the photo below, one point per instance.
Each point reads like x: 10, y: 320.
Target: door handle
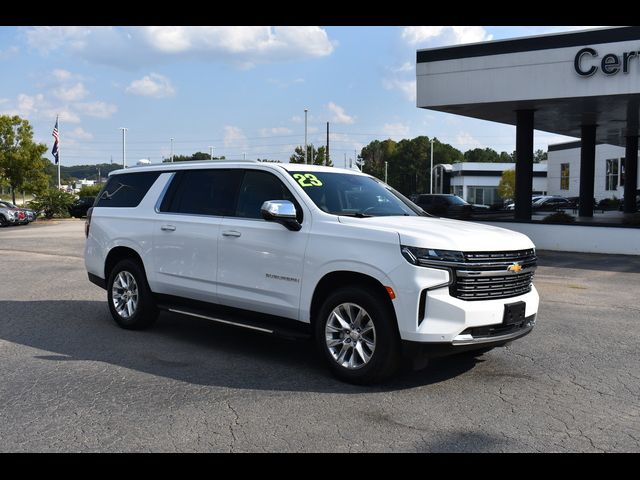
x: 231, y: 233
x: 168, y: 228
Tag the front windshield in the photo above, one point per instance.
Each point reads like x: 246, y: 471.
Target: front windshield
x: 353, y: 195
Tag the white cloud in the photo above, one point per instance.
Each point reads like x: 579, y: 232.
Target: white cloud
x: 37, y: 106
x: 396, y: 130
x: 234, y: 137
x: 97, y: 109
x: 80, y: 134
x: 152, y: 85
x: 444, y: 35
x: 130, y: 47
x: 66, y: 115
x: 464, y: 141
x: 61, y: 74
x: 405, y: 86
x: 30, y: 104
x: 72, y: 93
x: 268, y: 132
x: 9, y: 52
x: 339, y: 115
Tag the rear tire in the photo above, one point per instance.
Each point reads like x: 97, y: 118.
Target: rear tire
x: 356, y: 334
x: 130, y: 299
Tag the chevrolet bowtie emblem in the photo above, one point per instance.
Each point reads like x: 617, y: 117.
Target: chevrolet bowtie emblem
x: 515, y: 268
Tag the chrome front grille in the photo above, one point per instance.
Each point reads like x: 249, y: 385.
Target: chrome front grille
x: 486, y: 275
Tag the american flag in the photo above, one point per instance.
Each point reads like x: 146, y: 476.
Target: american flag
x: 55, y: 151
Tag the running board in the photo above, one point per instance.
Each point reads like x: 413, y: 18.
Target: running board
x: 238, y: 321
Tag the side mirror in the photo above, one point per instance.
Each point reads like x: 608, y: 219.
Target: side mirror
x: 282, y: 212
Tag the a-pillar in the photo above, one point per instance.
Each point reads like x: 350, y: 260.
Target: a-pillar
x: 631, y: 174
x: 524, y: 164
x: 587, y: 170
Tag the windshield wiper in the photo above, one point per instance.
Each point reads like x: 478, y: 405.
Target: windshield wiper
x: 357, y: 215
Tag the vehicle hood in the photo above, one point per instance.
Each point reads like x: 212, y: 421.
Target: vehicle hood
x: 444, y: 233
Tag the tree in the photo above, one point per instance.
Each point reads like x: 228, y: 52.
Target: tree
x: 189, y: 158
x: 481, y: 155
x: 21, y: 162
x: 315, y: 157
x: 539, y: 156
x: 507, y: 185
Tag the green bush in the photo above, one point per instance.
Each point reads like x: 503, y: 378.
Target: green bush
x: 90, y: 190
x: 610, y: 203
x: 52, y: 203
x: 559, y: 217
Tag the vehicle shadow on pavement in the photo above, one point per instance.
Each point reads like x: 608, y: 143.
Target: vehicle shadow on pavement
x: 190, y: 350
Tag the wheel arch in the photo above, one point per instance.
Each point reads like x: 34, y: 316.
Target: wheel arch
x: 343, y: 278
x: 120, y: 253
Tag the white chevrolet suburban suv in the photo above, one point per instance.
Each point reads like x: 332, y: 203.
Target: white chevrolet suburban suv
x: 302, y: 250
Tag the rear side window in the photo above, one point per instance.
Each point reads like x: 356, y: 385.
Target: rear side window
x: 203, y: 192
x: 126, y: 190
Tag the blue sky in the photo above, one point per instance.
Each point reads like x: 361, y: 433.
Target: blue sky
x: 242, y: 90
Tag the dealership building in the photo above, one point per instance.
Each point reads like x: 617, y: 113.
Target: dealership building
x: 477, y: 182
x: 582, y: 84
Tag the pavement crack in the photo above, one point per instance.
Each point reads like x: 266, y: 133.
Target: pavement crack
x: 231, y: 425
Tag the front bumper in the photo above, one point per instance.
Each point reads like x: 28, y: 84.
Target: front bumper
x: 472, y: 339
x: 428, y: 313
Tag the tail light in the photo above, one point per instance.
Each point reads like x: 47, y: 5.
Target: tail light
x: 87, y: 223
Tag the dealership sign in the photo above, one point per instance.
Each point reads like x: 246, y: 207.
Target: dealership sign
x: 586, y: 64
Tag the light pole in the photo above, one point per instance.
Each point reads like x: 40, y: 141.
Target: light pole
x: 244, y: 155
x: 305, y: 135
x: 124, y: 142
x: 210, y: 152
x: 386, y: 164
x: 431, y: 170
x: 171, y: 149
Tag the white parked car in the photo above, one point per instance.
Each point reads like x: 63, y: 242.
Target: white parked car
x: 303, y: 250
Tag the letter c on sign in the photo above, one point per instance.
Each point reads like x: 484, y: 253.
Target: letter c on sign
x: 576, y: 62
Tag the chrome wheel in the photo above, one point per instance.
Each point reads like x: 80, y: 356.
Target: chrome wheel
x: 124, y: 294
x: 350, y: 336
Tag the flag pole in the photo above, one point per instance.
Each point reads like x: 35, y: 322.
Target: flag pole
x: 58, y: 153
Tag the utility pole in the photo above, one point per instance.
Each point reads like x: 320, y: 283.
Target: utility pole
x: 305, y: 136
x: 431, y: 170
x: 326, y: 160
x: 244, y: 155
x: 171, y: 149
x: 210, y: 152
x: 386, y: 164
x: 124, y: 143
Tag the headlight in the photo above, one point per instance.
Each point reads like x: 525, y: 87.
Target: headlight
x: 430, y: 256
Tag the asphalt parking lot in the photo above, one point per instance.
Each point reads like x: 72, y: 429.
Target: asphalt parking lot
x: 73, y: 381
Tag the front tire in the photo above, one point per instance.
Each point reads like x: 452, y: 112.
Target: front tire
x: 355, y: 332
x: 129, y: 296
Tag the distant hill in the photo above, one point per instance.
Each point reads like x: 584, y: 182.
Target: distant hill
x: 88, y: 171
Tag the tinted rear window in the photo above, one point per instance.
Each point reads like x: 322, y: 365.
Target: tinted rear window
x: 126, y: 190
x: 203, y: 192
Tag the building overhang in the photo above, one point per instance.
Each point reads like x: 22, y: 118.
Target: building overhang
x: 568, y: 80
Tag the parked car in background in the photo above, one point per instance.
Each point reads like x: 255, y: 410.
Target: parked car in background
x: 552, y: 203
x: 79, y: 208
x: 25, y: 215
x: 8, y: 216
x: 511, y: 205
x: 444, y: 205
